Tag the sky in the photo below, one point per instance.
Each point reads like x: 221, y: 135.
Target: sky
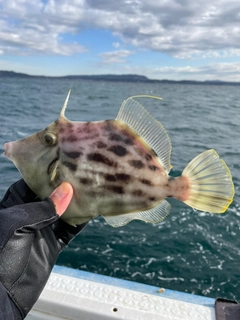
x: 160, y: 39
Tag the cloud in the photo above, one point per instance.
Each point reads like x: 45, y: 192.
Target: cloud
x: 116, y: 45
x: 217, y: 71
x: 114, y: 57
x: 184, y: 29
x: 26, y: 29
x: 224, y: 71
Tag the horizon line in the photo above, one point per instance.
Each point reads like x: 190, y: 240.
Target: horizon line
x: 129, y: 77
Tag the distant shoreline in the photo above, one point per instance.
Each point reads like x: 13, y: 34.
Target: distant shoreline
x: 116, y: 78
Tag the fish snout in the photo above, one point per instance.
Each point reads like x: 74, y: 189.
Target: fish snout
x: 8, y: 149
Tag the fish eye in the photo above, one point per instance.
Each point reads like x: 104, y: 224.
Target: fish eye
x: 50, y: 139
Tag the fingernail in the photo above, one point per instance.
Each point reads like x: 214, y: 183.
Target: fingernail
x: 61, y: 191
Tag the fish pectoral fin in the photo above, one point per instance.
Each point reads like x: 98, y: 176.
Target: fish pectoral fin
x: 149, y: 129
x: 154, y: 215
x: 54, y: 171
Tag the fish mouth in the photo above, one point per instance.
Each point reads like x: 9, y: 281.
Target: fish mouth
x: 7, y: 149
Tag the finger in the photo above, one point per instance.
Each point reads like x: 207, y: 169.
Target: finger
x: 61, y: 197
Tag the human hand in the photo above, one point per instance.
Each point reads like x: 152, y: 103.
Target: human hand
x: 31, y: 237
x: 20, y: 193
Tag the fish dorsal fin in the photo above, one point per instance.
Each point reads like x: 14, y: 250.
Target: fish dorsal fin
x: 151, y: 131
x: 154, y: 215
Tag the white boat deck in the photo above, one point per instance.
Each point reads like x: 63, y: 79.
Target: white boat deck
x: 78, y: 295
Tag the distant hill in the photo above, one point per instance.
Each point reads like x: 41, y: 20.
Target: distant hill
x: 105, y: 77
x: 12, y: 74
x: 115, y: 77
x: 111, y: 77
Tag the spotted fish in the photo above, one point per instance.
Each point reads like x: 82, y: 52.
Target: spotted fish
x: 118, y: 168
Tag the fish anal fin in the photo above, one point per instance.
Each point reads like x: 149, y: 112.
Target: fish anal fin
x: 149, y: 129
x: 154, y: 215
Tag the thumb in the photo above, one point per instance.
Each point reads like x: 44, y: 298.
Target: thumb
x: 61, y: 197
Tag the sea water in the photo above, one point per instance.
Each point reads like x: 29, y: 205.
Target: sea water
x: 190, y: 251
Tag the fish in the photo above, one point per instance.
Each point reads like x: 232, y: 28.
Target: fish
x: 118, y: 168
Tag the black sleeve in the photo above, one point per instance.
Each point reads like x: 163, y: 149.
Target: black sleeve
x: 31, y: 237
x: 7, y: 309
x: 28, y: 251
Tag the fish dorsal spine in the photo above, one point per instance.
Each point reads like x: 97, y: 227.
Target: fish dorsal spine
x: 62, y: 113
x: 149, y: 129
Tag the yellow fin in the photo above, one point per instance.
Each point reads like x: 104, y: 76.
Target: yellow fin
x: 153, y: 215
x: 210, y: 180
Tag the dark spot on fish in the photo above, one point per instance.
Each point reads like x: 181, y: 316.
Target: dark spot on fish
x: 61, y: 130
x: 86, y: 127
x: 153, y: 168
x: 154, y: 153
x: 147, y: 182
x: 98, y: 157
x: 148, y: 157
x: 110, y: 177
x: 115, y: 189
x: 136, y: 164
x: 72, y: 138
x: 79, y: 129
x: 109, y: 125
x: 118, y: 189
x: 123, y: 177
x: 69, y: 125
x: 151, y: 198
x: 129, y: 141
x: 69, y: 165
x: 115, y: 137
x: 118, y: 150
x: 170, y: 178
x: 85, y: 181
x: 73, y: 154
x: 101, y: 145
x: 137, y: 193
x: 56, y: 122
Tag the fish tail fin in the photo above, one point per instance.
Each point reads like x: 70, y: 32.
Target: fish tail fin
x: 210, y: 183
